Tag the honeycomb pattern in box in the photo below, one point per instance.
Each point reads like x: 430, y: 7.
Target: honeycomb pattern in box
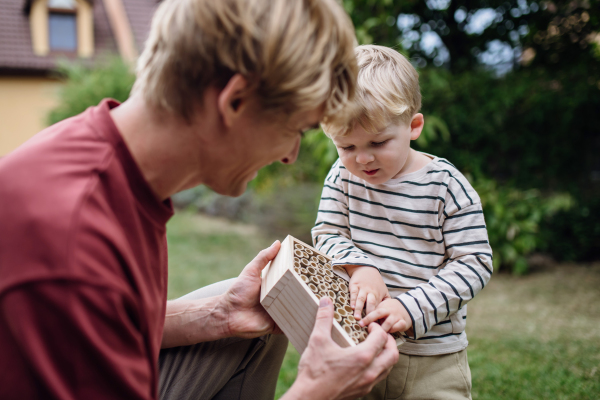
x: 317, y: 274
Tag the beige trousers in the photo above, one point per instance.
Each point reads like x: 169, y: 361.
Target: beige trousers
x: 444, y: 377
x: 230, y: 368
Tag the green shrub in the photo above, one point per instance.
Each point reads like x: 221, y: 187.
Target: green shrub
x: 513, y: 219
x: 85, y: 87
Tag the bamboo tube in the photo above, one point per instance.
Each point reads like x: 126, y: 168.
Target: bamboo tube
x: 304, y: 262
x: 349, y: 310
x: 337, y: 317
x: 356, y: 327
x: 321, y: 259
x: 320, y: 279
x: 311, y: 271
x: 313, y: 288
x: 338, y: 305
x: 298, y: 246
x: 303, y: 271
x: 347, y: 328
x: 304, y: 255
x: 351, y: 319
x: 335, y: 287
x: 315, y: 280
x: 329, y: 273
x: 343, y: 287
x: 322, y: 287
x: 328, y: 279
x: 342, y: 312
x: 305, y: 279
x: 298, y: 253
x: 331, y: 295
x: 298, y: 270
x: 326, y: 284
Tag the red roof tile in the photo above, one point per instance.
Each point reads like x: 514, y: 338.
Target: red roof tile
x: 16, y: 49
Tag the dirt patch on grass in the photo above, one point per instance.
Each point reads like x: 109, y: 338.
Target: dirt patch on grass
x: 559, y: 302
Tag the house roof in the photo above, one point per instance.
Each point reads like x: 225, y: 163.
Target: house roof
x: 16, y: 49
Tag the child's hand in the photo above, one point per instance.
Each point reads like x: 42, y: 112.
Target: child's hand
x: 396, y: 317
x: 367, y: 289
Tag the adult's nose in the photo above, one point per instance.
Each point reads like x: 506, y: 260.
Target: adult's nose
x: 293, y: 155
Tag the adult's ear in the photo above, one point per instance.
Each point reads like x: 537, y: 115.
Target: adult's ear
x: 233, y: 99
x: 416, y: 126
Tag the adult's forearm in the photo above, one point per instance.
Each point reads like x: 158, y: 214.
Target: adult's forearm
x: 193, y: 321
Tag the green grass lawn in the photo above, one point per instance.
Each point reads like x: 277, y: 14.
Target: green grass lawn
x: 532, y: 337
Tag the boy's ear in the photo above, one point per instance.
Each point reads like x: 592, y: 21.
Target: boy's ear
x: 416, y: 126
x: 233, y: 99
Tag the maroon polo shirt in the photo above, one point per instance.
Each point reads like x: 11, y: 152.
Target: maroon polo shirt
x: 83, y: 266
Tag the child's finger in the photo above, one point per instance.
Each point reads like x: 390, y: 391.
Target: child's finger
x: 399, y: 326
x: 377, y: 314
x: 353, y: 295
x: 389, y: 323
x: 360, y: 303
x: 372, y: 302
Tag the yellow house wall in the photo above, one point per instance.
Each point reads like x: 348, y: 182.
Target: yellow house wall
x: 38, y: 22
x: 85, y: 29
x: 24, y: 105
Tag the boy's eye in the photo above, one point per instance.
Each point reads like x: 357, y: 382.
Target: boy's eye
x: 347, y: 148
x: 376, y: 144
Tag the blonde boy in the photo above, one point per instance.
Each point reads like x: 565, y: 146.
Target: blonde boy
x: 409, y: 229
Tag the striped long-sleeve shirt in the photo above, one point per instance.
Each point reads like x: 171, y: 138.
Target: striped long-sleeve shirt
x: 425, y: 233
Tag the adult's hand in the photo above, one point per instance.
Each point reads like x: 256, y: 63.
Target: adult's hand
x: 237, y: 312
x: 327, y: 371
x: 246, y: 317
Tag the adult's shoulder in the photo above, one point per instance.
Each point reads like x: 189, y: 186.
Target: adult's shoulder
x: 44, y: 188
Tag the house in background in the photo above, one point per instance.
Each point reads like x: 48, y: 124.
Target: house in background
x: 36, y: 34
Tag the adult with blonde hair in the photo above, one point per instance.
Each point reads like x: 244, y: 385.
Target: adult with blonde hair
x: 224, y: 87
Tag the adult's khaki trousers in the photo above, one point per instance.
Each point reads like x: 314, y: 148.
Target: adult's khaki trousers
x: 232, y: 368
x: 444, y: 377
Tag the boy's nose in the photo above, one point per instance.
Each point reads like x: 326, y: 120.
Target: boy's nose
x: 364, y: 158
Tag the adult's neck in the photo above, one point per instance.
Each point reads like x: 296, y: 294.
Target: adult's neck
x: 168, y: 151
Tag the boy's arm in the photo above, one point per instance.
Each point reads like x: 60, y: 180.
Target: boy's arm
x: 468, y: 269
x: 331, y: 233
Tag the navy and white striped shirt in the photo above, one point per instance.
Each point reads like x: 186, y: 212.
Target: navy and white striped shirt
x: 424, y: 232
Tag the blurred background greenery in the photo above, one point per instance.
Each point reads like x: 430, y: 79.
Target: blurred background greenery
x: 511, y: 96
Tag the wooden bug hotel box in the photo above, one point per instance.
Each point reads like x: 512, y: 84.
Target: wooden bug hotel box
x: 292, y: 285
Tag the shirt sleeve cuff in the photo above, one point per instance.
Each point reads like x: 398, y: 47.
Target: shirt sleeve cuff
x: 411, y: 306
x: 354, y: 261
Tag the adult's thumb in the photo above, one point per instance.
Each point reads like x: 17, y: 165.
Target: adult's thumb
x: 324, y: 320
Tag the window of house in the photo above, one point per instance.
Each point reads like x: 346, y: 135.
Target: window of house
x: 62, y: 25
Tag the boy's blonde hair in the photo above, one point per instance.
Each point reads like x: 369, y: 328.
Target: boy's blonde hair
x: 387, y: 92
x: 296, y: 54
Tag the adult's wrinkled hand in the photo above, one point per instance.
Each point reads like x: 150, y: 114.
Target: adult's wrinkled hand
x: 246, y: 317
x: 327, y: 371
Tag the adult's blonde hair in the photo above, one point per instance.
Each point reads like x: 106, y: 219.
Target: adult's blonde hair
x: 296, y: 54
x: 387, y: 92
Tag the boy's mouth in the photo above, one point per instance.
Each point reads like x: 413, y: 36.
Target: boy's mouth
x: 371, y: 172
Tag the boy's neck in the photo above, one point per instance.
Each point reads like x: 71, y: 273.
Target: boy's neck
x: 414, y: 162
